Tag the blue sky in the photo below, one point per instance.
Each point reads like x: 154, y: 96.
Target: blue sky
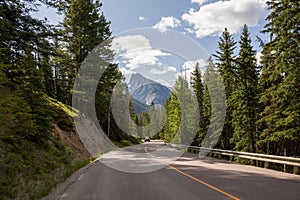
x: 199, y: 20
x: 129, y: 14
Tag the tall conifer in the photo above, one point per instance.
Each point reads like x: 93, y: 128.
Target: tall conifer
x: 245, y: 96
x: 280, y: 80
x: 198, y: 89
x: 226, y: 67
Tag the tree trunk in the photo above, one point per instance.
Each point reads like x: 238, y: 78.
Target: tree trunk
x: 108, y: 120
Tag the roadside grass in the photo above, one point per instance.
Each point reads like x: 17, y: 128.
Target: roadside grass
x: 30, y: 171
x: 129, y: 141
x: 33, y: 158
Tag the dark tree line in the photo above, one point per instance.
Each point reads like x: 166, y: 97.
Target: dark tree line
x: 39, y: 59
x: 38, y: 66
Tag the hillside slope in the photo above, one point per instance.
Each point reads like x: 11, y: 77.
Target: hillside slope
x: 39, y: 146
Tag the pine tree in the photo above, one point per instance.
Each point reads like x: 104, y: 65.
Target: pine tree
x: 280, y: 80
x: 172, y: 123
x: 226, y: 67
x: 214, y: 107
x: 198, y: 88
x: 43, y: 55
x: 105, y: 87
x: 24, y: 41
x: 3, y: 68
x: 134, y: 117
x: 197, y: 85
x: 83, y: 29
x: 61, y: 62
x: 189, y: 113
x: 245, y: 97
x: 206, y: 114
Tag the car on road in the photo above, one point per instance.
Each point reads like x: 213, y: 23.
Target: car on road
x: 147, y: 139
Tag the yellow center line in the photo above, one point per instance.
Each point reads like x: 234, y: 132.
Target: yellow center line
x: 194, y: 178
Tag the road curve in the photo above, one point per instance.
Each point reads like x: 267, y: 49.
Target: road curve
x: 187, y: 178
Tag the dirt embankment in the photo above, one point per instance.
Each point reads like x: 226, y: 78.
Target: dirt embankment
x: 72, y: 140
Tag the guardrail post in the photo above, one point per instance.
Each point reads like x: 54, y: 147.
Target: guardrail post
x: 219, y: 156
x: 284, y: 168
x: 266, y: 165
x: 230, y: 158
x: 295, y: 170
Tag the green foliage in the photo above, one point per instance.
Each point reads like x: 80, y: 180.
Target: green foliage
x: 143, y: 120
x: 262, y: 107
x: 245, y: 97
x: 279, y: 119
x: 32, y: 158
x: 3, y: 67
x: 205, y: 116
x: 205, y: 120
x: 182, y: 114
x: 24, y: 42
x: 157, y: 118
x: 37, y: 80
x: 37, y: 77
x: 197, y: 85
x: 226, y: 67
x: 106, y: 84
x: 82, y: 30
x: 127, y: 141
x: 16, y: 114
x: 213, y: 105
x: 226, y: 60
x: 172, y: 124
x: 198, y: 89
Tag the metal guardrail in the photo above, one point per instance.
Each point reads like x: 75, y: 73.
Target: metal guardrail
x: 266, y: 159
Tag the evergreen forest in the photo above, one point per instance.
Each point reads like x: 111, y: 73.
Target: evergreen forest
x: 39, y: 62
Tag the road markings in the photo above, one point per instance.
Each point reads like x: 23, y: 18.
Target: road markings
x: 194, y: 178
x: 80, y: 177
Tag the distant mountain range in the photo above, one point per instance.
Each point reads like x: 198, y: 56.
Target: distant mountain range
x: 136, y: 81
x: 145, y: 91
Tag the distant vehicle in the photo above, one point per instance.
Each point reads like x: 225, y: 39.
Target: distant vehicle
x: 147, y: 139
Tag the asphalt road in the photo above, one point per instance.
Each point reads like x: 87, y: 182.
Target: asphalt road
x: 188, y: 178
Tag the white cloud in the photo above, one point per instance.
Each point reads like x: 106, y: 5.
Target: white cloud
x: 200, y: 2
x: 135, y: 51
x: 140, y: 57
x: 167, y: 22
x: 163, y: 71
x: 189, y: 30
x: 129, y: 43
x: 126, y: 72
x: 213, y: 18
x: 143, y: 18
x: 189, y: 66
x: 165, y: 83
x: 258, y: 57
